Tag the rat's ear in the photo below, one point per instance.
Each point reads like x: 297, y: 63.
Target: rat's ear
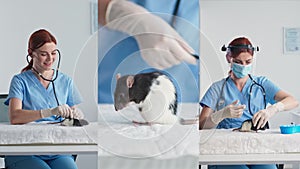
x: 118, y: 76
x: 130, y: 81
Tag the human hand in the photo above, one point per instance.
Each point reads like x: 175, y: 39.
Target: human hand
x: 62, y: 110
x: 160, y: 45
x: 262, y: 117
x: 162, y: 51
x: 77, y: 113
x: 233, y: 110
x: 230, y: 111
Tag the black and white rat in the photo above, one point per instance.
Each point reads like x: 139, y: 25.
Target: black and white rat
x: 153, y: 92
x: 74, y: 122
x: 248, y: 126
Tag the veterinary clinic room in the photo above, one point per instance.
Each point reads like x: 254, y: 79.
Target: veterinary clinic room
x: 248, y: 47
x: 54, y: 45
x: 173, y: 84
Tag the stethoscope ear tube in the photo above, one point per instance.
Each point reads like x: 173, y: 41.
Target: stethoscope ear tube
x: 58, y: 62
x: 175, y: 12
x: 57, y: 68
x: 49, y: 80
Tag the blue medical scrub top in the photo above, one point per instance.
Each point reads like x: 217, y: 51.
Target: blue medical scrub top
x: 119, y: 52
x: 26, y: 87
x: 231, y: 93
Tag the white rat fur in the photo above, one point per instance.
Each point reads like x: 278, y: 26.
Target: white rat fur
x: 156, y: 106
x: 154, y: 93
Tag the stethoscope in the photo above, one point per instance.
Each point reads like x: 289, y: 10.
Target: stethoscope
x: 173, y: 22
x: 222, y: 98
x: 49, y: 80
x: 175, y: 12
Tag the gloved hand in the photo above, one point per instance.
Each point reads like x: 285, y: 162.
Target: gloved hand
x: 160, y: 45
x: 62, y: 110
x: 230, y: 111
x: 77, y: 113
x: 262, y: 117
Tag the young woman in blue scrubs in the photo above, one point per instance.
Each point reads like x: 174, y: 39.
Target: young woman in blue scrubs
x: 228, y: 103
x: 37, y: 94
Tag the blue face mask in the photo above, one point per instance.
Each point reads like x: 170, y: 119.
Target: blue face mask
x: 241, y: 71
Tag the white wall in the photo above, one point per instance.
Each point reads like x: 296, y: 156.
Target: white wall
x: 69, y: 22
x: 263, y: 22
x: 260, y: 20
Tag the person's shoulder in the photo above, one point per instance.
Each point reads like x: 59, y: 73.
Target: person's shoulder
x: 260, y: 78
x: 64, y: 76
x: 61, y: 74
x: 218, y: 82
x: 217, y: 85
x: 22, y: 75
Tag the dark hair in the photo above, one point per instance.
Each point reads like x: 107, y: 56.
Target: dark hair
x: 37, y: 40
x: 241, y: 41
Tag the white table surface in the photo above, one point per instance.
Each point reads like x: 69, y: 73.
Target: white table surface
x: 123, y: 143
x: 265, y: 147
x: 41, y: 139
